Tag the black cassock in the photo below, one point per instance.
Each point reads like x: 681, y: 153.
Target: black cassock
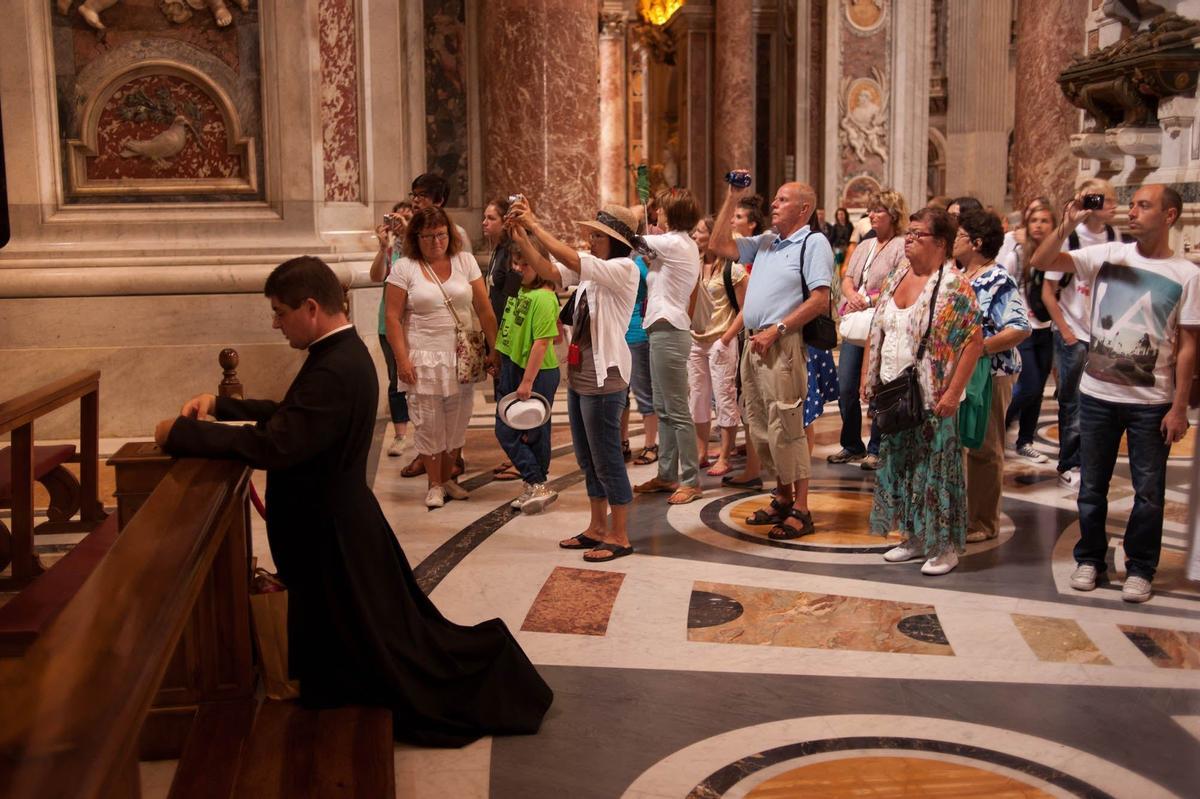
x: 360, y: 629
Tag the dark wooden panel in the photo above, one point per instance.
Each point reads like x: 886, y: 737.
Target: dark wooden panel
x: 209, y: 764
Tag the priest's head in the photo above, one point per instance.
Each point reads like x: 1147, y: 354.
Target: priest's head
x: 307, y: 300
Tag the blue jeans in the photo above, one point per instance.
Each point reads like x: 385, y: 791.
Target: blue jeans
x: 1100, y: 427
x: 678, y: 458
x: 849, y: 379
x: 529, y: 450
x: 1070, y: 371
x: 1037, y: 356
x: 397, y: 400
x: 596, y: 434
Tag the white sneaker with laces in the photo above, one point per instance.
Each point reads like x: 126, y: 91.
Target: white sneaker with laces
x: 1028, y: 452
x: 1084, y: 577
x: 435, y: 497
x: 940, y: 564
x: 901, y: 553
x: 526, y: 493
x: 397, y: 447
x: 1135, y: 589
x: 1069, y: 479
x: 539, y: 498
x: 455, y: 491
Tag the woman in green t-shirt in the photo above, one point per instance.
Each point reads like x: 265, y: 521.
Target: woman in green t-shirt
x: 528, y: 365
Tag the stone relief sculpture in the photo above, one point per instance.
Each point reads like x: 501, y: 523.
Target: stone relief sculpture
x: 162, y: 147
x: 865, y: 15
x: 177, y: 11
x: 864, y: 110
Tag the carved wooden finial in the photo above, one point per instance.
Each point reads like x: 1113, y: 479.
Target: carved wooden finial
x: 230, y: 385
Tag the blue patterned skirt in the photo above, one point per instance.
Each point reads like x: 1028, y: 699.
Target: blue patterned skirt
x: 822, y: 383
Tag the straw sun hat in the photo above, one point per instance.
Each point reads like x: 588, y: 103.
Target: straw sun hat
x: 616, y: 221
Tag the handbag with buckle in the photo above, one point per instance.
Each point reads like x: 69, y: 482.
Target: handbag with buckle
x: 898, y: 402
x: 470, y: 346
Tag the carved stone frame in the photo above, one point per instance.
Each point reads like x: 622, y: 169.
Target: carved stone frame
x: 79, y: 150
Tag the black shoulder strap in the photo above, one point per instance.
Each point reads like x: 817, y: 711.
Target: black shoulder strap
x: 932, y: 306
x: 803, y: 282
x: 1109, y: 233
x: 727, y: 276
x: 1073, y: 241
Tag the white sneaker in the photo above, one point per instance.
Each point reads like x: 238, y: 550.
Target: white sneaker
x: 1084, y: 577
x: 940, y: 564
x: 1028, y: 452
x: 1135, y: 589
x: 526, y: 493
x: 539, y: 498
x: 435, y: 497
x: 899, y: 554
x: 1070, y: 479
x: 455, y: 491
x: 397, y: 446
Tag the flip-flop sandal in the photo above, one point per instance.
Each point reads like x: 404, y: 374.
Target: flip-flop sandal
x: 717, y: 471
x: 732, y: 482
x: 614, y: 551
x: 685, y: 495
x: 503, y: 467
x: 779, y: 511
x: 414, y: 469
x: 647, y: 455
x: 581, y: 542
x: 510, y: 473
x: 782, y: 532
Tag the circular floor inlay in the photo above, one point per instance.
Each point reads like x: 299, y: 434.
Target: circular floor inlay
x: 707, y: 609
x: 883, y: 777
x: 841, y: 519
x: 924, y: 627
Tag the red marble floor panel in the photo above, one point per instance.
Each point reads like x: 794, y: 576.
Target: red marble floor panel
x: 575, y: 602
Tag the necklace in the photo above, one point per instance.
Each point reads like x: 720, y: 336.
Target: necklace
x: 974, y: 274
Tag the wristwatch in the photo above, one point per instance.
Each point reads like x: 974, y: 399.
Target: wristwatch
x: 781, y: 328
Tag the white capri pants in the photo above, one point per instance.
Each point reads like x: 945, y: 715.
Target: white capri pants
x: 440, y: 423
x: 712, y: 372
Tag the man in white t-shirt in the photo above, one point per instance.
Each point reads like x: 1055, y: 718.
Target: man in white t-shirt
x: 1145, y: 321
x: 1068, y: 301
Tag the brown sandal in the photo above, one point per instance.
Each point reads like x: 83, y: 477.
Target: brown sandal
x: 646, y: 456
x: 782, y: 532
x: 685, y: 494
x: 778, y: 511
x: 414, y: 469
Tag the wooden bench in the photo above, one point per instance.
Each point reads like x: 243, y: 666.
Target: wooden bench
x: 48, y: 470
x: 24, y: 617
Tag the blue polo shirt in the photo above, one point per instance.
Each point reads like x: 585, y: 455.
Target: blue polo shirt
x: 775, y: 289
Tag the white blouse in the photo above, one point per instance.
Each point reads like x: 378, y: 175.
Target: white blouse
x: 611, y: 288
x: 671, y: 278
x: 897, y: 351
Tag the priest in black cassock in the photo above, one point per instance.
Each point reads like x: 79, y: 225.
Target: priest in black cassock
x: 360, y: 629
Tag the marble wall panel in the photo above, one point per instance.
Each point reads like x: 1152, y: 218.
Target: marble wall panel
x: 734, y: 79
x: 339, y: 100
x: 1049, y: 33
x: 864, y: 30
x: 446, y: 128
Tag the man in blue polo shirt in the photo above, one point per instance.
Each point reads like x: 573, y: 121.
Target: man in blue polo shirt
x: 774, y: 366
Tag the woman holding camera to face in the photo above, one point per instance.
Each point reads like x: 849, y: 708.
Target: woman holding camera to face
x: 598, y: 360
x: 390, y: 235
x: 433, y: 289
x: 926, y: 320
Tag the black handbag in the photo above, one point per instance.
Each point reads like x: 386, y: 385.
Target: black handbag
x: 898, y: 402
x: 821, y: 331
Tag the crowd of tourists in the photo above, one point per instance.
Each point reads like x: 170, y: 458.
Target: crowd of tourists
x: 941, y: 325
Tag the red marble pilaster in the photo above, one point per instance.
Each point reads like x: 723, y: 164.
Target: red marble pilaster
x: 612, y: 108
x: 339, y: 100
x: 733, y: 76
x: 1049, y: 33
x: 540, y: 106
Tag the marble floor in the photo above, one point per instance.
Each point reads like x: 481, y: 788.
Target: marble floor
x: 718, y: 663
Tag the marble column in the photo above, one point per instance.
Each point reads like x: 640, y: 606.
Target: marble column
x: 1049, y: 33
x: 910, y: 100
x: 613, y: 173
x: 540, y: 106
x: 733, y: 79
x: 976, y: 77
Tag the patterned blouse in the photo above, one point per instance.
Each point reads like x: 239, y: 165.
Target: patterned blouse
x: 955, y: 319
x: 1000, y: 306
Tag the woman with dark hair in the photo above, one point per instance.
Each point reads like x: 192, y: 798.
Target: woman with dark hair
x: 674, y: 271
x: 435, y: 289
x: 927, y: 320
x: 389, y: 235
x: 1037, y: 351
x: 840, y: 240
x: 870, y: 265
x: 598, y: 360
x: 1005, y: 325
x: 502, y: 284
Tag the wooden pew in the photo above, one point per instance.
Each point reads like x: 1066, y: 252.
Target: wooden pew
x: 29, y: 463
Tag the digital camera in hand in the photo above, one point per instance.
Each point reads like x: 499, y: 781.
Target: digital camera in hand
x: 738, y: 178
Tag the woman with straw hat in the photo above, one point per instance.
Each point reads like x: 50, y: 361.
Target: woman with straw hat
x: 598, y: 359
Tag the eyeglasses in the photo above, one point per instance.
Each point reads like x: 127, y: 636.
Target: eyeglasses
x: 417, y: 195
x: 439, y: 237
x: 917, y: 235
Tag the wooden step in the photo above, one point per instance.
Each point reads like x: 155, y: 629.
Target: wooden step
x: 208, y: 767
x: 331, y: 754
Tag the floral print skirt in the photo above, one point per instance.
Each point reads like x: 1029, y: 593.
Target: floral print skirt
x: 920, y: 489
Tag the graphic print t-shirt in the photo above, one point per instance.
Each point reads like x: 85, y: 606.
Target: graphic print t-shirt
x: 1137, y: 305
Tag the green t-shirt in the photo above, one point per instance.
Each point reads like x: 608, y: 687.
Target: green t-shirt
x: 529, y: 316
x: 383, y: 294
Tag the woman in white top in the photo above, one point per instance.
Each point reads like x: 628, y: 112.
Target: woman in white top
x: 598, y: 360
x: 674, y: 274
x: 434, y: 276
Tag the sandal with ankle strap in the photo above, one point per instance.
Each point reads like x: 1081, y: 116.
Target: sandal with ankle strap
x: 778, y: 511
x: 646, y: 456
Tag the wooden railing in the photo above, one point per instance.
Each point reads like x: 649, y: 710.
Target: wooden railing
x: 17, y: 417
x: 78, y: 706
